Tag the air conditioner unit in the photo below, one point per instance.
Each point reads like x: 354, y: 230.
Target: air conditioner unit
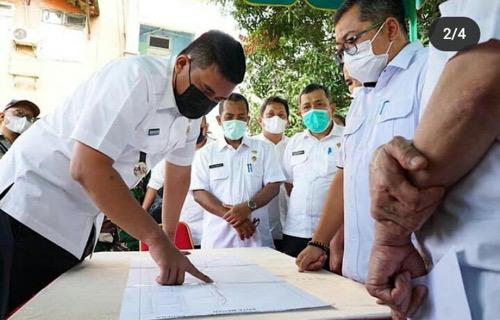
x: 25, y: 37
x: 158, y: 45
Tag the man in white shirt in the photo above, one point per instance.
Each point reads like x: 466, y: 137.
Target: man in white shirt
x: 273, y: 120
x: 310, y: 165
x: 372, y: 40
x: 16, y: 117
x: 234, y: 179
x: 459, y: 137
x: 191, y: 212
x: 96, y: 146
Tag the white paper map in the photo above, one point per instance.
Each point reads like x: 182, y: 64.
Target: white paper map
x: 239, y: 287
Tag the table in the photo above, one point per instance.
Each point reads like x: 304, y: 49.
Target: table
x: 94, y: 289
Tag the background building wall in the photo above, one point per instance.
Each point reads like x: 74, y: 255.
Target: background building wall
x: 65, y: 56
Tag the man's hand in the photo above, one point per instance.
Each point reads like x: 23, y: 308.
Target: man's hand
x: 173, y: 264
x: 392, y: 267
x: 337, y: 251
x: 237, y: 214
x: 310, y: 259
x: 246, y: 229
x: 393, y: 197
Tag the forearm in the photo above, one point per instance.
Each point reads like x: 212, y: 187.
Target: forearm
x: 149, y: 198
x: 462, y: 116
x: 459, y: 126
x: 175, y: 188
x: 98, y: 177
x: 288, y: 188
x: 264, y: 196
x: 209, y: 202
x: 332, y: 215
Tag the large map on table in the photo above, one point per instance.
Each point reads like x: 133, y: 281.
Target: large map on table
x: 239, y: 287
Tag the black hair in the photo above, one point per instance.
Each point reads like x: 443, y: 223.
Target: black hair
x: 313, y: 87
x: 216, y: 47
x: 275, y: 99
x: 375, y: 11
x: 234, y: 97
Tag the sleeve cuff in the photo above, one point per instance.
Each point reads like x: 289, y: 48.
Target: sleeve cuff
x: 154, y: 185
x: 97, y: 143
x: 179, y: 161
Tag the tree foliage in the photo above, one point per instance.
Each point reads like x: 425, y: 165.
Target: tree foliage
x: 290, y: 47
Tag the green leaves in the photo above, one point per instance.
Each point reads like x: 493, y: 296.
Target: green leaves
x: 290, y: 47
x: 287, y: 48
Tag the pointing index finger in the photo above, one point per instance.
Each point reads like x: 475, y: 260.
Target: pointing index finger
x: 198, y: 274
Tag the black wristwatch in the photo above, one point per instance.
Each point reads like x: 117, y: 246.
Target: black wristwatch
x: 252, y: 204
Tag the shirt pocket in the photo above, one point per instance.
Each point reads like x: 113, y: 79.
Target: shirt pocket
x: 255, y: 176
x: 352, y: 129
x: 218, y: 173
x: 299, y: 166
x: 332, y: 158
x: 155, y: 136
x: 396, y: 118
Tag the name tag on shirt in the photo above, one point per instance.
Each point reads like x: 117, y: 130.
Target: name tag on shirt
x: 213, y: 166
x: 154, y: 132
x: 298, y: 153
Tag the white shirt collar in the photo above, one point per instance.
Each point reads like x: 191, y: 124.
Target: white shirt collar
x: 263, y: 137
x: 335, y: 132
x: 168, y: 100
x: 222, y: 143
x: 403, y: 59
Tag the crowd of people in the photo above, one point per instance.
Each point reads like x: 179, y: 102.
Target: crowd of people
x: 380, y: 197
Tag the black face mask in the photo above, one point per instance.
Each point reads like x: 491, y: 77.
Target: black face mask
x: 192, y: 103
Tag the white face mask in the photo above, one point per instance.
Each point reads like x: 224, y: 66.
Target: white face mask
x: 17, y: 124
x: 274, y: 125
x: 365, y: 66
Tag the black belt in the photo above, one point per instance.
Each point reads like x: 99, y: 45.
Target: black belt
x: 89, y: 247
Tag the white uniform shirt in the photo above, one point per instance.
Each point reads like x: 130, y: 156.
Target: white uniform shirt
x: 376, y: 115
x: 233, y: 177
x: 279, y: 205
x: 192, y: 212
x: 127, y: 107
x: 468, y: 221
x: 310, y: 165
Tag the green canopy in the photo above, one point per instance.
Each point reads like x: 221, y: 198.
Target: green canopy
x: 411, y: 7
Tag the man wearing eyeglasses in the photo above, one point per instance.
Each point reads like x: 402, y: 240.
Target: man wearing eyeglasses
x: 373, y: 45
x: 17, y: 117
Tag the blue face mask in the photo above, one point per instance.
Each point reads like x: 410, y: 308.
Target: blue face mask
x: 316, y: 120
x: 234, y: 129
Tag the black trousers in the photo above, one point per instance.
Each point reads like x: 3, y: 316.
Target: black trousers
x: 28, y: 262
x: 292, y: 246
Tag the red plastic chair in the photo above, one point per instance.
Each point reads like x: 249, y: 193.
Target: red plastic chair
x: 183, y: 238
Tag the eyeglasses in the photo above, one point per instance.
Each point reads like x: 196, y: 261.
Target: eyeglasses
x: 349, y: 46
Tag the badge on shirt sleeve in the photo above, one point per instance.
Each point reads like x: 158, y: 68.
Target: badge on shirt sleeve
x: 141, y: 168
